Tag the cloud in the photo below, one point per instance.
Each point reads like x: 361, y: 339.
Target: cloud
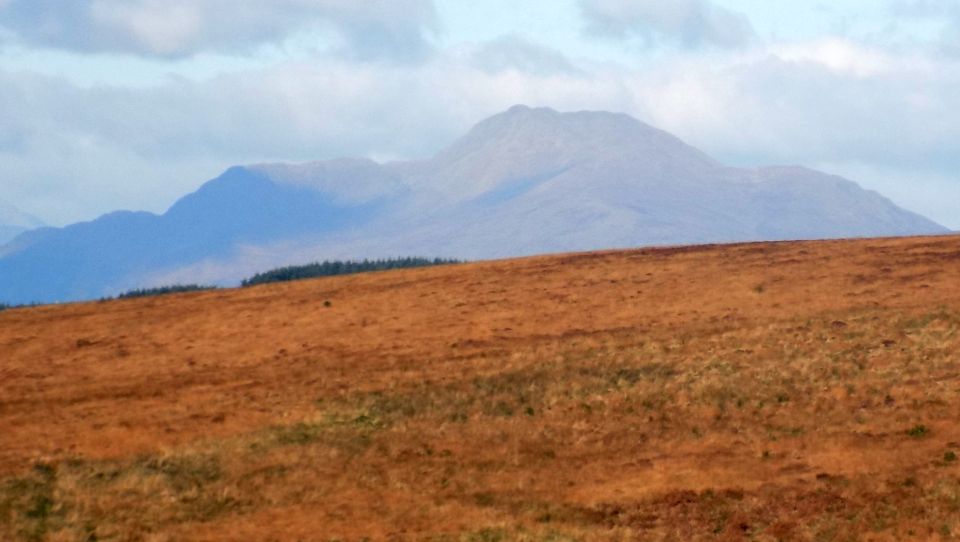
x: 867, y: 113
x: 842, y: 56
x: 364, y: 30
x: 691, y: 23
x: 799, y: 104
x: 515, y: 53
x: 944, y: 12
x: 923, y: 8
x: 69, y: 152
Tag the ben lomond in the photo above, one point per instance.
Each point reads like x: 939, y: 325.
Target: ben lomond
x: 522, y: 182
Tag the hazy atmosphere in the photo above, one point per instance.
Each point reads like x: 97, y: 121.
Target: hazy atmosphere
x: 490, y: 271
x: 130, y: 104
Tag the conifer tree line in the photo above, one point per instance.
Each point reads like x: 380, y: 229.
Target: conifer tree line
x: 340, y: 267
x: 163, y: 290
x: 326, y: 268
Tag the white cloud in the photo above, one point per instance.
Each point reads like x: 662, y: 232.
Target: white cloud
x: 159, y: 29
x: 924, y: 8
x: 175, y: 28
x: 946, y: 13
x: 68, y: 153
x: 840, y: 55
x: 802, y: 109
x: 692, y: 23
x: 515, y: 53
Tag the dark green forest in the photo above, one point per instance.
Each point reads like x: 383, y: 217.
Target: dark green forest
x: 338, y: 267
x: 283, y: 274
x: 163, y: 290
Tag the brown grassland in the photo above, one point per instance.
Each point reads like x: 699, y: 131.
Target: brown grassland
x: 777, y: 391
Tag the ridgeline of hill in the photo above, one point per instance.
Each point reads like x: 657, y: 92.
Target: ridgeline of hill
x: 525, y: 181
x: 326, y: 268
x: 768, y: 391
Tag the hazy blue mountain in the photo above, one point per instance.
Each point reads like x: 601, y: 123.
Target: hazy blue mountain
x: 522, y: 182
x: 535, y: 180
x: 244, y: 206
x: 13, y: 222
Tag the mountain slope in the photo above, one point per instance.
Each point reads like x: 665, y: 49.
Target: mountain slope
x: 524, y: 143
x: 524, y: 181
x: 791, y: 391
x: 535, y: 180
x: 13, y: 222
x: 244, y: 206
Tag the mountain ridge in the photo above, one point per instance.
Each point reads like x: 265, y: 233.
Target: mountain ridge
x: 13, y: 222
x: 525, y: 181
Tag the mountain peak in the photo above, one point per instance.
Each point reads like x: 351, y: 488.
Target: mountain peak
x: 519, y: 108
x: 523, y: 142
x: 518, y: 117
x: 523, y: 109
x: 524, y: 181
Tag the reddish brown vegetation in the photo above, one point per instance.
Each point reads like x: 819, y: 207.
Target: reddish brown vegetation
x: 787, y: 391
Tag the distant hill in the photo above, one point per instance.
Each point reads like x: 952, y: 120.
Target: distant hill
x: 792, y: 391
x: 110, y: 254
x: 522, y: 182
x: 13, y: 222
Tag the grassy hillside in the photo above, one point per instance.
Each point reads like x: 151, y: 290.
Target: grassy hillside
x: 788, y: 391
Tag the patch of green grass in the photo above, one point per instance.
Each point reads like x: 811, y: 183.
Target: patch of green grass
x: 27, y: 503
x: 183, y: 472
x: 486, y: 535
x: 627, y: 375
x: 526, y: 391
x: 298, y: 434
x: 484, y: 499
x: 501, y: 408
x: 921, y: 322
x: 87, y: 500
x: 350, y: 432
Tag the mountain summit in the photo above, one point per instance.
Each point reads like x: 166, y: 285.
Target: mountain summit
x: 524, y: 143
x: 525, y: 181
x: 537, y: 180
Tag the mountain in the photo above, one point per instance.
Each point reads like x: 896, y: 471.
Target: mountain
x: 13, y: 222
x: 528, y: 180
x: 244, y: 206
x: 535, y: 180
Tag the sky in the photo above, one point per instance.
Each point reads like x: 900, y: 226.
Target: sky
x: 130, y: 104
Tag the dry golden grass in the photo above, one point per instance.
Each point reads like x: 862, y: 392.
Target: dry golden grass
x: 785, y: 391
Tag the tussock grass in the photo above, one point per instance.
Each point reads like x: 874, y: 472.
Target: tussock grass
x: 630, y: 390
x: 740, y: 415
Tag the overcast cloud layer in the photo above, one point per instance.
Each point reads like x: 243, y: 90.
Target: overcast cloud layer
x: 692, y: 23
x: 174, y: 28
x: 377, y: 81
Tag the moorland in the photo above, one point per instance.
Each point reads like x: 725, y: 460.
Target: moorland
x: 760, y: 391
